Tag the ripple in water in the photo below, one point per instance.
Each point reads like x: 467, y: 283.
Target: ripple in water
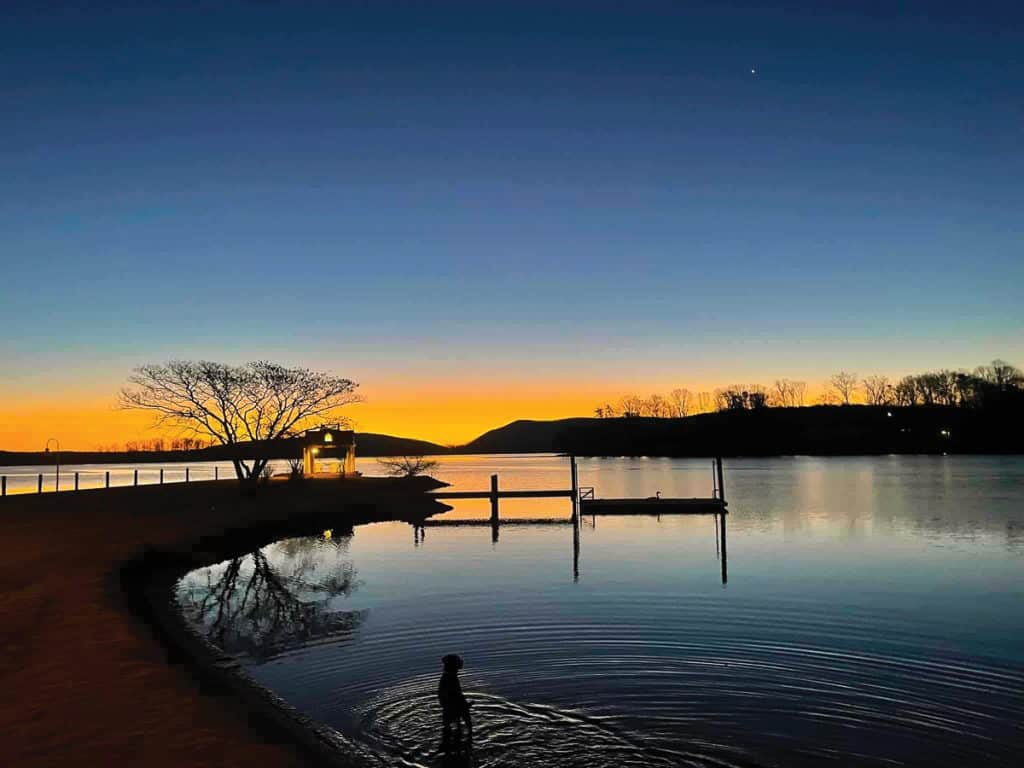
x: 649, y: 694
x: 821, y: 650
x: 403, y: 724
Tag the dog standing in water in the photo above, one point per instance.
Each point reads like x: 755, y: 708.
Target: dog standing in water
x: 454, y: 707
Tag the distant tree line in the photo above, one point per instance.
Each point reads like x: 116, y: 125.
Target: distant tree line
x: 158, y: 444
x: 987, y: 385
x: 677, y: 404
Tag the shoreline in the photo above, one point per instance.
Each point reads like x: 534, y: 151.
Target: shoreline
x: 96, y: 667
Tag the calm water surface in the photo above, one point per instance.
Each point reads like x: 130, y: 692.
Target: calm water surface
x: 872, y: 614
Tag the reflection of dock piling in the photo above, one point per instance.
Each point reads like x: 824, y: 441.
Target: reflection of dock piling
x: 585, y: 503
x: 656, y: 505
x: 720, y: 550
x: 495, y: 494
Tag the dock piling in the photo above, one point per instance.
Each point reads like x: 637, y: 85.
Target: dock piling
x: 494, y: 498
x: 575, y: 483
x: 39, y: 485
x: 721, y: 479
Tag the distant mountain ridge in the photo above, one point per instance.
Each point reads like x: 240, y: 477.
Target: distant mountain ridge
x: 812, y: 430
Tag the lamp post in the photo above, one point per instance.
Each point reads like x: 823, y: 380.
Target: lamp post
x: 56, y: 485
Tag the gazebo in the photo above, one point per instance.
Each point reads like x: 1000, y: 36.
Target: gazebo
x: 329, y: 442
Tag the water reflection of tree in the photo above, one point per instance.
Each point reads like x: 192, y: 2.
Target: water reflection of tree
x: 261, y: 607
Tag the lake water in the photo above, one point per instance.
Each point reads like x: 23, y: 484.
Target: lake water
x: 871, y: 613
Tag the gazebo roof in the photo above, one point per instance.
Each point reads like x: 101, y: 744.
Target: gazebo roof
x: 328, y: 435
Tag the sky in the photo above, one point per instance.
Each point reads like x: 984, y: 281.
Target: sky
x: 488, y: 211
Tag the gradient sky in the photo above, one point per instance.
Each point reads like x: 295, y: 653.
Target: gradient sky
x: 486, y: 211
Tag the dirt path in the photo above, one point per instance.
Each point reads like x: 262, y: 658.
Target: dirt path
x: 83, y: 679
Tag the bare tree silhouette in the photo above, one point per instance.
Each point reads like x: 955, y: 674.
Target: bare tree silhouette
x: 631, y: 405
x: 705, y: 402
x: 877, y: 390
x: 845, y: 385
x: 408, y: 466
x: 1001, y: 374
x: 656, y: 406
x: 679, y: 403
x: 254, y: 403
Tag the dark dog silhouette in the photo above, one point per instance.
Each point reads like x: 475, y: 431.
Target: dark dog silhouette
x: 454, y: 707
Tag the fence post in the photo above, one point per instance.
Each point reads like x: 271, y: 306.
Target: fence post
x: 215, y: 473
x: 76, y: 481
x: 136, y: 480
x: 39, y: 486
x: 3, y: 485
x: 186, y: 474
x: 161, y: 475
x: 107, y: 481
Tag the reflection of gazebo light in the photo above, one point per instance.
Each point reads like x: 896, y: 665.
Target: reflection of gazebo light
x: 328, y: 438
x: 316, y: 450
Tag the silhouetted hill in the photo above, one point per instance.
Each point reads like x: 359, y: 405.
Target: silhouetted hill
x: 525, y: 436
x: 367, y: 444
x: 823, y: 430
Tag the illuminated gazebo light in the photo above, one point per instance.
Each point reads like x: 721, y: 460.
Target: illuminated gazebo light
x: 329, y: 442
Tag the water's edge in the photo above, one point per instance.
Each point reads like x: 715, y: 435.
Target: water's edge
x: 148, y: 582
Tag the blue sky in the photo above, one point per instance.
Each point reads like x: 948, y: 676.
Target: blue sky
x: 528, y: 189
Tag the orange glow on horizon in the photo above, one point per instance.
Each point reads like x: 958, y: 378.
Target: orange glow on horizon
x: 92, y: 424
x: 435, y: 411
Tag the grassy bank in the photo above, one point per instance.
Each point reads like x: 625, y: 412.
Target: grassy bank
x: 85, y: 676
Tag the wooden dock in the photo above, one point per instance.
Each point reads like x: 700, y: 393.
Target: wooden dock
x: 653, y: 506
x: 584, y: 501
x: 585, y: 504
x: 466, y: 522
x: 556, y: 494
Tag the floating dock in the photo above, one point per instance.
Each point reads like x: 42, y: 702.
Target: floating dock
x: 585, y: 504
x: 496, y: 494
x: 584, y: 501
x: 653, y: 506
